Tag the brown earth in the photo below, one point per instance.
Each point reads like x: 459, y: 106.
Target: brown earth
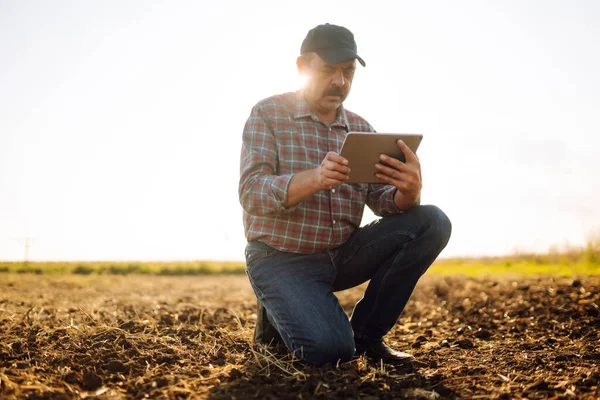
x: 189, y: 337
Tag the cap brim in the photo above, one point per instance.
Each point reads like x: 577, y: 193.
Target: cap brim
x: 340, y: 55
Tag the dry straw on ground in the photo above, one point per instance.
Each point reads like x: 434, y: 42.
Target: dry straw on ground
x: 190, y: 337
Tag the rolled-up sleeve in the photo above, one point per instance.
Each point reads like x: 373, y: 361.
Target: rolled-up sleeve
x: 261, y: 190
x: 380, y: 200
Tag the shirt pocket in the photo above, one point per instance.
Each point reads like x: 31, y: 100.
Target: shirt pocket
x: 361, y: 187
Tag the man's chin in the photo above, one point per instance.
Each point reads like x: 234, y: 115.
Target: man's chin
x: 332, y: 102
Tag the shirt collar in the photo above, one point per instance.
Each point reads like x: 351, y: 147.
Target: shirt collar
x: 303, y: 110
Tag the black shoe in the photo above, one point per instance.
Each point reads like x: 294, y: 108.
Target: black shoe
x: 264, y: 332
x: 380, y: 350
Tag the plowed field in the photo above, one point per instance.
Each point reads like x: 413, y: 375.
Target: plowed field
x: 190, y: 337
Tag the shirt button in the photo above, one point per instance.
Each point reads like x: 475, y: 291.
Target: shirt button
x: 334, y: 221
x: 332, y: 190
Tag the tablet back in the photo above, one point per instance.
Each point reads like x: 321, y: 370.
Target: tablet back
x: 362, y: 150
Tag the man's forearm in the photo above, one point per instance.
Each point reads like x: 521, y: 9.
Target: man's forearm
x: 302, y: 186
x: 332, y: 172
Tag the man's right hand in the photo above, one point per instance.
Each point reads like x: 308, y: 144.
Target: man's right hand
x: 332, y: 172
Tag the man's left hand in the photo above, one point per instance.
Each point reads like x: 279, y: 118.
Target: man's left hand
x: 405, y: 176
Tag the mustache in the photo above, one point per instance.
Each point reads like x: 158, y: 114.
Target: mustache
x: 335, y: 91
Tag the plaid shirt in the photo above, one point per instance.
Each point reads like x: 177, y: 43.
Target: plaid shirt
x: 281, y: 137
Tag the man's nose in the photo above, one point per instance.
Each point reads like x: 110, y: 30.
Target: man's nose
x: 338, y: 78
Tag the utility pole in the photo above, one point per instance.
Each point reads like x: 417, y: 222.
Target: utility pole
x: 27, y: 246
x: 27, y: 243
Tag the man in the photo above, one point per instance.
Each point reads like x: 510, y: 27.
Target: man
x: 302, y: 222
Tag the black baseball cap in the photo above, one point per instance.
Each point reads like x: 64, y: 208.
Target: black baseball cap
x: 332, y: 43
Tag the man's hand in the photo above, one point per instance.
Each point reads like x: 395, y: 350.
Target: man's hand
x: 333, y: 171
x: 405, y: 176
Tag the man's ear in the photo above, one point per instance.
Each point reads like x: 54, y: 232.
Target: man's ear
x: 301, y: 65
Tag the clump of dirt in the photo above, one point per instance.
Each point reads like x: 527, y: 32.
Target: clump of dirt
x: 190, y: 337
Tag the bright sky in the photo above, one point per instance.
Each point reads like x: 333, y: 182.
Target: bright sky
x: 121, y: 121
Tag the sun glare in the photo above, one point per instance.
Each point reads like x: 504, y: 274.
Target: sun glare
x: 300, y: 80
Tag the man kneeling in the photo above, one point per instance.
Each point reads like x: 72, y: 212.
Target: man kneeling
x: 302, y: 221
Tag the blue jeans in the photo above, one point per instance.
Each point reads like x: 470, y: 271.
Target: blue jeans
x: 297, y: 290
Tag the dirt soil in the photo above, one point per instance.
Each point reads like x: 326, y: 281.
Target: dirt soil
x: 190, y: 337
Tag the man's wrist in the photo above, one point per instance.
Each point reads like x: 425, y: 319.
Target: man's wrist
x: 302, y: 185
x: 404, y: 203
x: 314, y: 180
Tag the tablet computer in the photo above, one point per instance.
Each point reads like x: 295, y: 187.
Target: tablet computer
x: 362, y: 150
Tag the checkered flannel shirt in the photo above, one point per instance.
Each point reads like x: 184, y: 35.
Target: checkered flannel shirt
x: 281, y: 137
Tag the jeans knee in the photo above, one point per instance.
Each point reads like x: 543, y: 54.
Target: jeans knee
x: 441, y: 226
x: 327, y: 350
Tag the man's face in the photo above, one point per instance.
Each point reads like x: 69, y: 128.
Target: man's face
x: 327, y: 85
